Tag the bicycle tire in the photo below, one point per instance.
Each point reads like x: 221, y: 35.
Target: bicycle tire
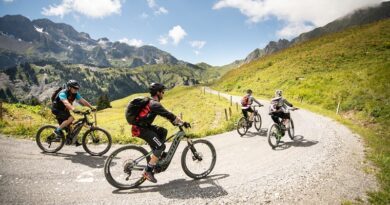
x: 50, y: 129
x: 272, y: 136
x: 109, y: 162
x: 105, y: 134
x: 242, y: 128
x: 257, y: 121
x: 209, y: 168
x: 291, y: 130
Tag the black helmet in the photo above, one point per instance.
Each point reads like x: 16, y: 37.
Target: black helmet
x: 73, y: 84
x: 249, y: 91
x: 156, y: 87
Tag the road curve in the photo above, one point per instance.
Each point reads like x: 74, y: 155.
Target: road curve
x: 323, y: 166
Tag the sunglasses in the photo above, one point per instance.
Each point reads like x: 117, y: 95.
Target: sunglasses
x: 75, y: 88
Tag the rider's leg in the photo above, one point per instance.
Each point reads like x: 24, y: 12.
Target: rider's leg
x: 275, y: 118
x: 245, y: 113
x: 64, y: 119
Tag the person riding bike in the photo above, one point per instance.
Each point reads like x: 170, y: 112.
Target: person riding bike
x: 154, y: 135
x: 278, y: 109
x: 63, y: 103
x: 246, y: 105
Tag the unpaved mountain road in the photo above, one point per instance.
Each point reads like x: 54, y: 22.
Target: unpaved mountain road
x: 324, y: 165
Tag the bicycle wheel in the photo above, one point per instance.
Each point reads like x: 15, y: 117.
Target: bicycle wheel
x: 257, y: 121
x: 96, y: 141
x: 273, y: 136
x: 47, y: 140
x: 198, y: 159
x: 123, y: 168
x: 291, y: 130
x: 242, y: 127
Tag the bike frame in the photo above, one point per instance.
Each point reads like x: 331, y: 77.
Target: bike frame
x: 78, y: 125
x: 164, y: 163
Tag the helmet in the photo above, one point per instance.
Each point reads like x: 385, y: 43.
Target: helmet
x: 249, y: 91
x: 156, y: 87
x: 278, y: 93
x: 73, y: 84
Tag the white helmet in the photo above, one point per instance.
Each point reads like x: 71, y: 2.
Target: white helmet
x: 278, y: 93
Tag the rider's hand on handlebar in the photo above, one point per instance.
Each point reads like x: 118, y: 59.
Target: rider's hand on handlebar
x: 93, y: 108
x: 186, y: 124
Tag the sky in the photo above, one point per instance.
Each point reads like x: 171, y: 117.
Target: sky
x: 216, y: 32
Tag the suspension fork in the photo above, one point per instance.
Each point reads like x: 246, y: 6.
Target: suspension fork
x: 193, y: 150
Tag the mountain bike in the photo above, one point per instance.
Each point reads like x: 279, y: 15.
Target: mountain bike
x: 244, y: 124
x: 277, y: 130
x: 96, y: 141
x: 124, y: 167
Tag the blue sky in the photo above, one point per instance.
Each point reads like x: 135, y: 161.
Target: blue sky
x: 215, y: 31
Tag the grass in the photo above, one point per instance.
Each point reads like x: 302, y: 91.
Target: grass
x: 350, y: 68
x: 205, y: 112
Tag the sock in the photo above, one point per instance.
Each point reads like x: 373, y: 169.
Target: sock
x: 150, y: 167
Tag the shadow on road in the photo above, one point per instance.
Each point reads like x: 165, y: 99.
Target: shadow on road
x: 185, y: 189
x: 82, y: 158
x: 298, y: 141
x: 262, y: 132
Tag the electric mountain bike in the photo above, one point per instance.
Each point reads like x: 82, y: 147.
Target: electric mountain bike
x: 124, y: 167
x: 277, y: 130
x: 244, y: 124
x: 96, y: 141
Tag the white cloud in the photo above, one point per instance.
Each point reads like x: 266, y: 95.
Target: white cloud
x: 197, y: 52
x: 90, y: 8
x: 132, y: 42
x: 163, y: 40
x: 177, y: 33
x: 197, y: 44
x: 299, y: 15
x: 144, y: 15
x: 8, y: 1
x: 156, y: 8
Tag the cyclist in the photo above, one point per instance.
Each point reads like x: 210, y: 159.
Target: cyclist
x: 63, y: 103
x: 278, y: 109
x: 154, y: 135
x: 246, y: 105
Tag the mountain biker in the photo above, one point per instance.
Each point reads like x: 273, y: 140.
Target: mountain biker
x: 278, y: 108
x: 154, y: 135
x: 62, y: 104
x: 246, y: 105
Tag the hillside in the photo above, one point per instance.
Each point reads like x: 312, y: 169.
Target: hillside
x: 350, y: 67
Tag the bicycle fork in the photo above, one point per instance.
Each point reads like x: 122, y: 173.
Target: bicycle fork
x: 196, y: 155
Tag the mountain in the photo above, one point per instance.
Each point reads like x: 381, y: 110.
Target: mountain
x: 356, y: 18
x: 23, y: 40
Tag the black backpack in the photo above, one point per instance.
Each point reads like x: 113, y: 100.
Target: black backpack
x: 54, y: 95
x: 134, y: 108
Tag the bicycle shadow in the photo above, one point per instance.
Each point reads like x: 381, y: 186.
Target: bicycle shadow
x: 184, y: 189
x: 82, y: 158
x: 299, y: 141
x: 262, y: 132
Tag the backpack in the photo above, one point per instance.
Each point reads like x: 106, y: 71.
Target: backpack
x: 134, y: 109
x: 245, y: 100
x: 276, y: 103
x: 54, y: 95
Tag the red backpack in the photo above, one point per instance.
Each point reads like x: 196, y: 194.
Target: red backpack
x: 245, y: 100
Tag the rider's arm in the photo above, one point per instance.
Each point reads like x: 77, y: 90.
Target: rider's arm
x: 158, y: 109
x: 288, y: 103
x: 64, y: 100
x: 85, y: 103
x: 257, y: 101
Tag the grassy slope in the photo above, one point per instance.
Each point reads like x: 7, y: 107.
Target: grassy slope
x: 204, y: 112
x: 350, y: 67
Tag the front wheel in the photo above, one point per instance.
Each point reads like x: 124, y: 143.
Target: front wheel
x: 291, y: 130
x: 242, y: 126
x: 198, y: 159
x: 123, y: 168
x: 257, y: 121
x: 274, y: 135
x: 96, y: 141
x: 48, y: 141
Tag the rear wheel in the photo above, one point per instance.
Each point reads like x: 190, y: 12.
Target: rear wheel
x: 123, y: 168
x: 96, y: 141
x: 257, y: 121
x: 242, y: 126
x: 48, y: 141
x: 198, y: 159
x: 291, y: 131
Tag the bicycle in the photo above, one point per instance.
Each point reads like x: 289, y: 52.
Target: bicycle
x: 123, y: 168
x: 94, y: 138
x: 244, y: 124
x: 277, y: 130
